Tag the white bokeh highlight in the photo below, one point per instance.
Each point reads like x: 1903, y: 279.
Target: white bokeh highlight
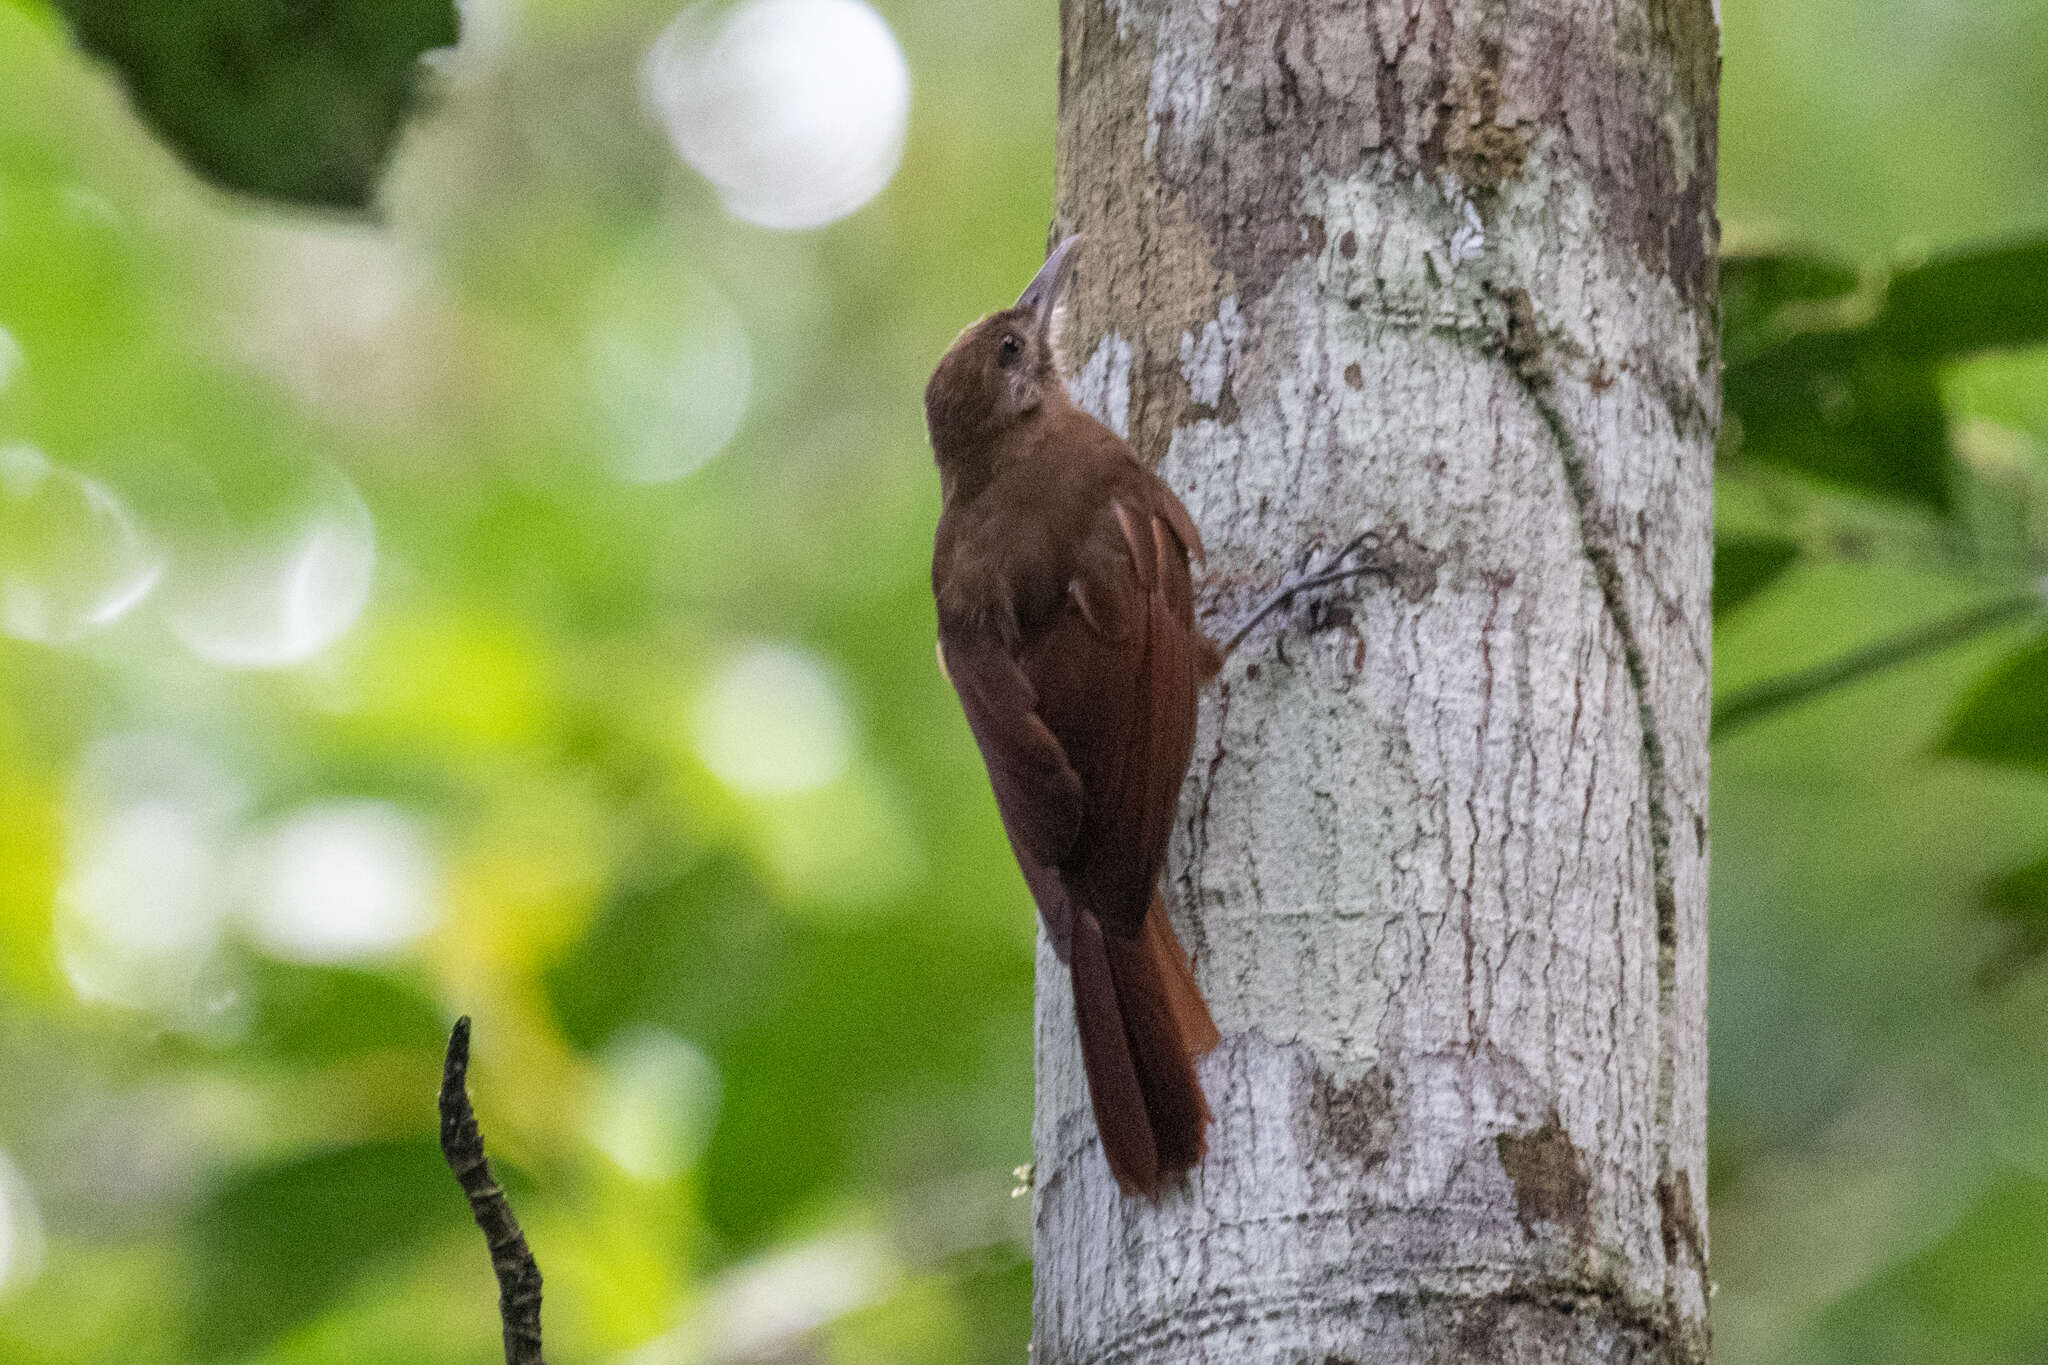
x: 669, y: 365
x: 773, y: 721
x: 794, y: 109
x: 762, y: 1309
x: 11, y: 358
x: 340, y: 882
x: 73, y: 558
x: 279, y: 591
x: 21, y: 1229
x: 140, y: 910
x: 654, y: 1105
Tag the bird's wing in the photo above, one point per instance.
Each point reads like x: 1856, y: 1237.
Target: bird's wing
x: 1037, y: 790
x: 1115, y: 677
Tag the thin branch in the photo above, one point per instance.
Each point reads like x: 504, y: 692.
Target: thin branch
x: 1327, y: 574
x: 462, y: 1142
x: 1750, y: 704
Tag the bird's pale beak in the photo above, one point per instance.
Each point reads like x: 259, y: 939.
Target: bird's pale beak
x: 1043, y: 292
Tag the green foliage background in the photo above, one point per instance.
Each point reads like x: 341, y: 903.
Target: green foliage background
x: 812, y: 1006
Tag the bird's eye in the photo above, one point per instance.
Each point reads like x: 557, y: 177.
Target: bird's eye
x: 1009, y: 351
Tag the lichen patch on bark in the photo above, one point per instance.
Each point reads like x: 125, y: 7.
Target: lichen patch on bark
x: 1356, y: 1121
x: 1551, y: 1184
x: 1679, y: 1224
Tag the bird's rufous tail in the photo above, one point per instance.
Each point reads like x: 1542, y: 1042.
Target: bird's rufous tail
x: 1143, y: 1022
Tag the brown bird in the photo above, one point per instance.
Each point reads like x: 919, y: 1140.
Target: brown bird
x: 1066, y: 624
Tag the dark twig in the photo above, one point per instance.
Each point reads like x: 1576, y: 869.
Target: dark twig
x: 462, y: 1142
x: 1748, y: 705
x: 1314, y: 578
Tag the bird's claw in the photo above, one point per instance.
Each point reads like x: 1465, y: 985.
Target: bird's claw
x: 1331, y: 570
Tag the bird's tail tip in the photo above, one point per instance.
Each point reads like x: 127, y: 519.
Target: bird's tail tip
x: 1142, y: 1022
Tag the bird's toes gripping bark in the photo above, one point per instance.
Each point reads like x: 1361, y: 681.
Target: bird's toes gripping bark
x: 1333, y: 569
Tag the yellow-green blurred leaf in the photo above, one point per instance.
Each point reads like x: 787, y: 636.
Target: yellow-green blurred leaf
x: 2004, y: 717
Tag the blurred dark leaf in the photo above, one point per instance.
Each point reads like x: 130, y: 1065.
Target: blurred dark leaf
x: 1841, y: 406
x: 319, y: 1014
x: 278, y: 1243
x: 2019, y: 899
x: 689, y: 947
x: 794, y: 1023
x: 1756, y: 289
x: 873, y: 1019
x: 295, y: 100
x: 2004, y: 717
x: 800, y: 1081
x: 1844, y: 387
x: 1971, y: 302
x: 1745, y: 565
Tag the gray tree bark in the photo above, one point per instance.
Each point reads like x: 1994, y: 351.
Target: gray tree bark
x: 1443, y: 270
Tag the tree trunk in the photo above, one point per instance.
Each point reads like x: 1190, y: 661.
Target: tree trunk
x: 1443, y: 270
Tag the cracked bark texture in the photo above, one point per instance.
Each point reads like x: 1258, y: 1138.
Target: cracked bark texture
x: 1442, y: 270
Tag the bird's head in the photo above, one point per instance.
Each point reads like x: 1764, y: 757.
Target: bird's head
x: 999, y: 370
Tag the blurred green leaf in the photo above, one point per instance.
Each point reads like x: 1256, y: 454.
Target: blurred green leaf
x: 34, y: 9
x: 1748, y: 705
x: 1840, y: 406
x: 1843, y: 385
x: 2019, y: 900
x: 799, y: 1019
x: 2004, y: 717
x: 1000, y: 1277
x: 31, y: 851
x: 1980, y: 1293
x: 279, y: 1243
x: 1972, y: 301
x: 863, y: 1055
x: 1745, y: 565
x: 318, y: 1014
x: 296, y: 100
x: 1757, y: 289
x: 689, y: 946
